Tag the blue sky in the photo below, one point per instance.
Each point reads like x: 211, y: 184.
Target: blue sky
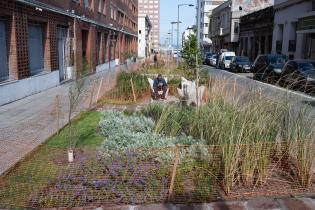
x: 169, y: 14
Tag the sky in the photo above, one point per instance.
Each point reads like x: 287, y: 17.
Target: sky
x: 169, y: 13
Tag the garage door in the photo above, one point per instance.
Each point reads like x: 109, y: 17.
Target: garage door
x: 4, y: 70
x: 35, y: 48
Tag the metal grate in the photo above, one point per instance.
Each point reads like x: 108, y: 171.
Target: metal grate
x: 142, y: 176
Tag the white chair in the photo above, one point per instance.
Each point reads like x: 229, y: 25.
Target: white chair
x: 188, y: 91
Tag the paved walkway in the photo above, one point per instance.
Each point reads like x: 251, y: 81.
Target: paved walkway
x: 255, y: 204
x: 27, y: 123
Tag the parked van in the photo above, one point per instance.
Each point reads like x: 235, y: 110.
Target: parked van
x: 225, y: 59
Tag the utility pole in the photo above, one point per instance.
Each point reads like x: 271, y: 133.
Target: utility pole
x: 198, y: 22
x: 178, y: 6
x: 177, y: 58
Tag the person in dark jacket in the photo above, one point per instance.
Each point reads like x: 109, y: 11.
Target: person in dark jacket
x: 155, y: 59
x: 159, y: 84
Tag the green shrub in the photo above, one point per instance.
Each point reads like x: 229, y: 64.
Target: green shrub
x: 124, y: 132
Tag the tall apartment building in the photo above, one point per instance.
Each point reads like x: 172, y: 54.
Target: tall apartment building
x: 206, y: 7
x: 152, y: 9
x: 44, y: 42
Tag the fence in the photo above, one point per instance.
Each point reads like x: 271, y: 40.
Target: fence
x: 182, y: 174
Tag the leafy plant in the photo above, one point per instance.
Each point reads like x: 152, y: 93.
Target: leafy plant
x: 190, y: 50
x: 75, y: 93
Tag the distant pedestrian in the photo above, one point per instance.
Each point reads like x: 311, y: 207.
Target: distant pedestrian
x: 155, y: 59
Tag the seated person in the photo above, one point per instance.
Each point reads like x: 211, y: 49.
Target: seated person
x: 159, y: 84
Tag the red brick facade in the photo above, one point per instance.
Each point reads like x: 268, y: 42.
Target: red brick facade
x: 99, y: 31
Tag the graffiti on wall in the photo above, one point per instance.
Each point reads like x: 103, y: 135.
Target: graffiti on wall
x: 249, y: 6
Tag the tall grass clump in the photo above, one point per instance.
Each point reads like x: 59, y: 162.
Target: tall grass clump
x: 246, y: 133
x: 153, y: 111
x: 297, y: 132
x: 126, y: 83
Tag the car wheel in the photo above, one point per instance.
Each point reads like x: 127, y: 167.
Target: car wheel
x: 256, y: 77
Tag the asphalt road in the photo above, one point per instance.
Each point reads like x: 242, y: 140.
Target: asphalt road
x: 245, y: 84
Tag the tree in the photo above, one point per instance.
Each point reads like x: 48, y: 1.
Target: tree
x: 190, y: 50
x: 75, y: 93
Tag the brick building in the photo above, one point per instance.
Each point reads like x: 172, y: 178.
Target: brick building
x: 44, y: 42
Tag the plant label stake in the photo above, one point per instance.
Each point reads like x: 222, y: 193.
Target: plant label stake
x: 57, y: 113
x: 170, y: 192
x: 133, y: 91
x: 70, y: 156
x: 99, y: 90
x: 92, y: 94
x: 197, y: 84
x: 234, y: 89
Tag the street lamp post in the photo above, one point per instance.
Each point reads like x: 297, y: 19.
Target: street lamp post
x: 198, y: 23
x: 178, y: 6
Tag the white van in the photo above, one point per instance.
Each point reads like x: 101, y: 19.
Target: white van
x: 225, y: 59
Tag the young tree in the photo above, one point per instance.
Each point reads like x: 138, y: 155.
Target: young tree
x: 75, y: 94
x: 190, y: 50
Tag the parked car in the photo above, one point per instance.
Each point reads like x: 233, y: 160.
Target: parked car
x: 268, y: 67
x: 208, y: 56
x: 240, y: 64
x: 213, y: 60
x: 219, y: 57
x: 299, y: 74
x: 225, y: 59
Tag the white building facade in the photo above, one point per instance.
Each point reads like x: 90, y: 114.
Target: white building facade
x: 206, y: 7
x: 225, y: 20
x: 188, y: 32
x: 294, y: 29
x: 144, y: 36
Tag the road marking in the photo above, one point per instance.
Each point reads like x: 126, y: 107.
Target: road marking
x: 272, y: 86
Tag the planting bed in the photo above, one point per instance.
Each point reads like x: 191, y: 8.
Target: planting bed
x: 169, y: 153
x: 135, y: 177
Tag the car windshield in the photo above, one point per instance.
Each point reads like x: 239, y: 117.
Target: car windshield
x: 307, y: 66
x: 242, y: 59
x: 228, y: 58
x: 277, y: 60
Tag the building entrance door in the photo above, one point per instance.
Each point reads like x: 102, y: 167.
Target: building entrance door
x: 62, y: 39
x: 312, y: 50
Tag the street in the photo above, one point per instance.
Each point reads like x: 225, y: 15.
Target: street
x: 246, y: 84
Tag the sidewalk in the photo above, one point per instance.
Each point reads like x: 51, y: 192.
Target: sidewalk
x: 27, y: 123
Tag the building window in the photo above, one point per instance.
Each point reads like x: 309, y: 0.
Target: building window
x: 236, y: 27
x: 35, y: 48
x: 292, y: 45
x: 279, y: 46
x: 101, y: 6
x: 113, y: 12
x: 4, y: 69
x: 86, y: 3
x: 98, y: 47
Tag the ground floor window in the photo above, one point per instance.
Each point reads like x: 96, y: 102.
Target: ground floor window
x: 4, y: 69
x: 35, y: 48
